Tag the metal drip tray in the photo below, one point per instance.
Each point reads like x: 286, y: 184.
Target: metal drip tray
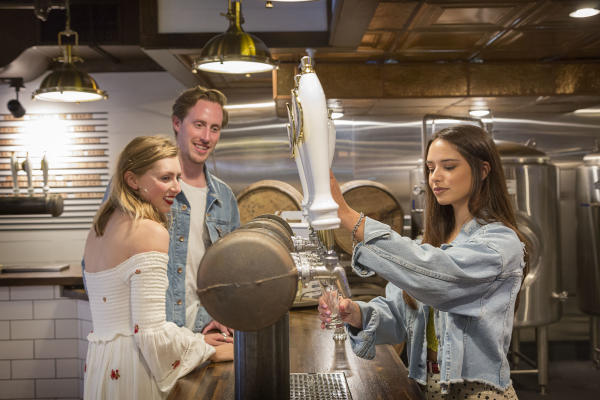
x: 319, y: 386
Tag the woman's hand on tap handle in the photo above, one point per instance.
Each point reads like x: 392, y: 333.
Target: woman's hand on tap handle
x: 349, y: 312
x: 347, y: 215
x: 336, y: 193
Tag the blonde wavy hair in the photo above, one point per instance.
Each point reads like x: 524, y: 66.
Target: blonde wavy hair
x: 138, y: 157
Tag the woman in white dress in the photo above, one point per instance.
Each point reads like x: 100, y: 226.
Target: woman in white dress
x: 133, y: 352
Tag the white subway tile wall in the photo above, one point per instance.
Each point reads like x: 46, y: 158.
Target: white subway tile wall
x: 56, y: 348
x: 67, y: 329
x: 55, y: 309
x: 16, y: 349
x: 33, y: 329
x: 5, y: 369
x: 42, y: 343
x: 4, y: 330
x: 17, y: 389
x: 68, y: 368
x: 12, y: 310
x: 24, y: 369
x: 83, y: 310
x: 31, y: 292
x: 85, y: 328
x: 57, y: 387
x: 83, y: 345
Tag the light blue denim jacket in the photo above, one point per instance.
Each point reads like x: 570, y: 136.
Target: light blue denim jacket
x: 473, y: 282
x: 221, y: 217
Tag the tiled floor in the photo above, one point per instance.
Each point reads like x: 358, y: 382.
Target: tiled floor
x: 568, y: 380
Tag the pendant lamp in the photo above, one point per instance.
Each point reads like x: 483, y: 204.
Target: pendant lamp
x: 66, y: 83
x: 235, y: 51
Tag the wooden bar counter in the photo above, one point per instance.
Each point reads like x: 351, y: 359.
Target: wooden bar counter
x: 313, y: 350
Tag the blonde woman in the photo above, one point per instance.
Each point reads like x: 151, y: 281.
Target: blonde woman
x: 134, y: 353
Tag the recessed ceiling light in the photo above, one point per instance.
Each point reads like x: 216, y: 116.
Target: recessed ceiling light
x: 337, y: 114
x: 479, y: 113
x: 584, y: 13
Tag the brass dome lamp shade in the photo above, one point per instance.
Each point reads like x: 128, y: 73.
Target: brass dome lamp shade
x: 235, y: 51
x: 66, y: 83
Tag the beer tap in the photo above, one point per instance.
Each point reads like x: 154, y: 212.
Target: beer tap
x: 31, y: 204
x: 27, y: 168
x: 14, y: 169
x: 311, y: 138
x: 45, y: 168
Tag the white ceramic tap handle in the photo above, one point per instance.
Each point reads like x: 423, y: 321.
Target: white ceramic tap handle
x: 14, y: 169
x: 27, y: 169
x: 314, y: 149
x: 45, y: 168
x: 332, y: 137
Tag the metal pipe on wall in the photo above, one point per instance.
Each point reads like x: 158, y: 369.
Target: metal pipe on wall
x: 20, y: 205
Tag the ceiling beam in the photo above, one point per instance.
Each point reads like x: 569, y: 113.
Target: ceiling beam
x: 167, y: 60
x: 420, y: 80
x: 350, y: 21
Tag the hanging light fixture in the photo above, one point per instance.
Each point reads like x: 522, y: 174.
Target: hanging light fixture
x: 235, y: 51
x: 66, y: 83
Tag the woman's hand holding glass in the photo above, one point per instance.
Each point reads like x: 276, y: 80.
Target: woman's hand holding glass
x: 348, y: 311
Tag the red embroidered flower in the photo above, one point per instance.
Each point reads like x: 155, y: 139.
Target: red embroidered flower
x: 136, y: 328
x: 114, y: 374
x: 176, y: 364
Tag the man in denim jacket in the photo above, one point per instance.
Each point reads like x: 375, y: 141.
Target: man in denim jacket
x: 204, y: 211
x: 198, y: 116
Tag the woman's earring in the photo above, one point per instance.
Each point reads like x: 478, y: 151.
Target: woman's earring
x: 145, y: 190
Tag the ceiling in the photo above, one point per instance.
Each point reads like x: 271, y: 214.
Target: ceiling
x: 404, y: 38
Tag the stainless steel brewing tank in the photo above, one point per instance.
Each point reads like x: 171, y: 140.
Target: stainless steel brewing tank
x: 588, y: 234
x: 532, y: 183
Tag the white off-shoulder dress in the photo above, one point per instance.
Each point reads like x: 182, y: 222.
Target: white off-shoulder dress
x: 133, y: 352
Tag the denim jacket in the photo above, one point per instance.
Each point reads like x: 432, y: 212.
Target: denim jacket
x: 221, y: 217
x: 472, y: 282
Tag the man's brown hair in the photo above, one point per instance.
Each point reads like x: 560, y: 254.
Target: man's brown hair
x: 190, y: 97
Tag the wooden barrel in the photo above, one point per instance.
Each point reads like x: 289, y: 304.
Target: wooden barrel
x: 375, y: 200
x: 267, y: 197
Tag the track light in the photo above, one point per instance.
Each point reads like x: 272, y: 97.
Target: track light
x: 14, y: 106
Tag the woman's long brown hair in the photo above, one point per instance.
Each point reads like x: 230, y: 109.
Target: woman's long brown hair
x: 137, y: 157
x: 488, y: 201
